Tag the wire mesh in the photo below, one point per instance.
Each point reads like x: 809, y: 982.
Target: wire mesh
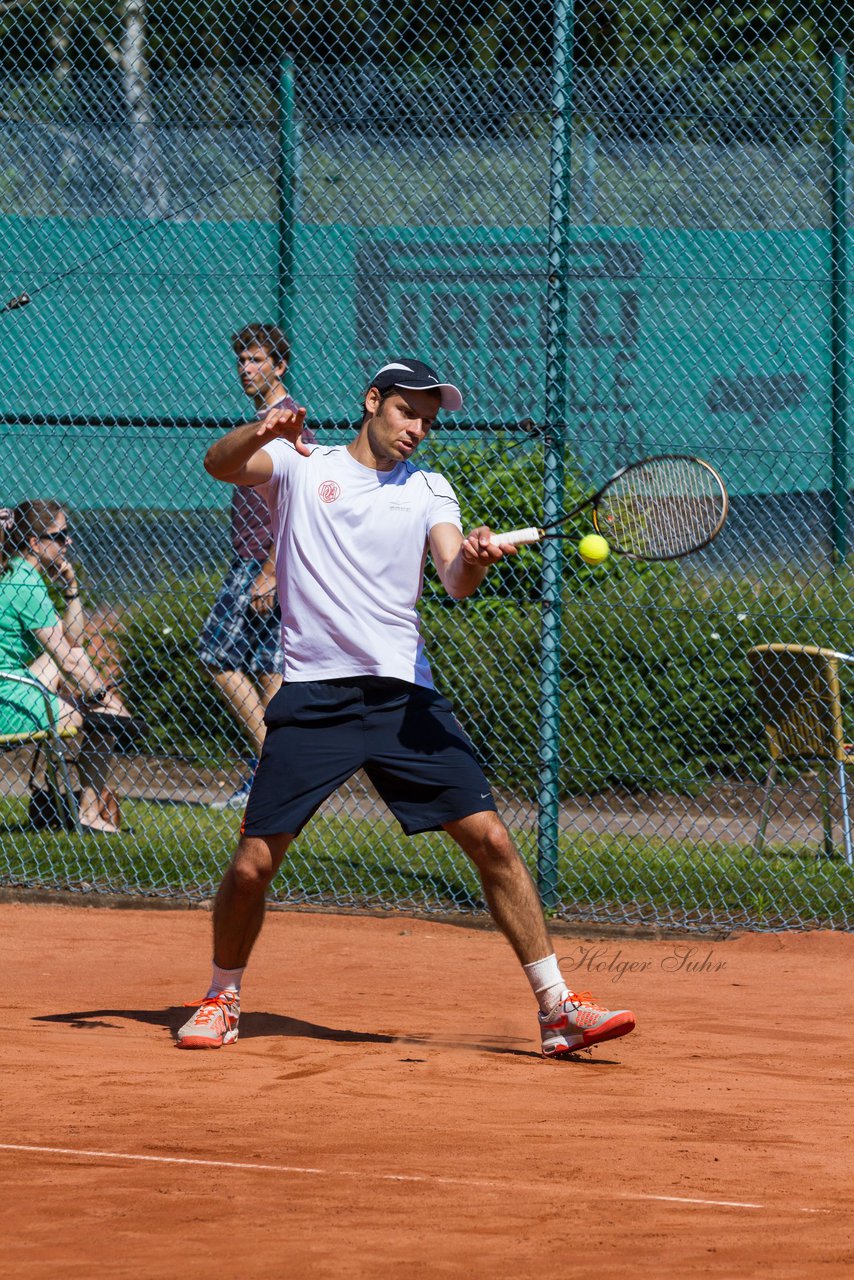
x: 381, y: 180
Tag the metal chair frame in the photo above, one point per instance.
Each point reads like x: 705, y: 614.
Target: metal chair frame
x: 50, y: 741
x: 798, y: 689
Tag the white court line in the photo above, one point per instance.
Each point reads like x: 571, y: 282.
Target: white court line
x: 261, y: 1168
x: 365, y: 1175
x: 727, y: 1204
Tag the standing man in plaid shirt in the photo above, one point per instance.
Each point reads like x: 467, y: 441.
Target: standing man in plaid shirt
x: 240, y: 644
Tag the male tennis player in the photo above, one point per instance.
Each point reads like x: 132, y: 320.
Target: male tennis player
x: 352, y: 526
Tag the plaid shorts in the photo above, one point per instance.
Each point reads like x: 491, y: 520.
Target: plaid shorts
x: 235, y: 637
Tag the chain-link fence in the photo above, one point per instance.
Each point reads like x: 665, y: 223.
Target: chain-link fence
x: 622, y: 232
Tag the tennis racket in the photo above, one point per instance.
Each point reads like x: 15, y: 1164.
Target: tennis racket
x: 660, y: 508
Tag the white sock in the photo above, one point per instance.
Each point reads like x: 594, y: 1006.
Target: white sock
x: 546, y: 982
x: 226, y: 980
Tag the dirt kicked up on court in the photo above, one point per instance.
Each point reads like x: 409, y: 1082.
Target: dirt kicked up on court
x: 386, y: 1112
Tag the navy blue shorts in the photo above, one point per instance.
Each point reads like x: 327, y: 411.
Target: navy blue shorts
x: 405, y: 737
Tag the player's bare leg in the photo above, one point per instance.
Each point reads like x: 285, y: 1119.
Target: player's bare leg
x: 241, y: 898
x: 567, y: 1021
x: 510, y: 893
x: 238, y: 917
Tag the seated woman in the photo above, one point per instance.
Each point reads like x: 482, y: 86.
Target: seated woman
x: 35, y: 641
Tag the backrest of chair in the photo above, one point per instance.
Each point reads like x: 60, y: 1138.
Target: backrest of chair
x: 9, y: 740
x: 797, y: 687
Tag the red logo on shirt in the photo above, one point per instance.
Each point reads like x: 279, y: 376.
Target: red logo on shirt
x: 329, y: 490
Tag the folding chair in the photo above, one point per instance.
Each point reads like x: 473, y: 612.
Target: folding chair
x: 49, y: 741
x: 798, y: 690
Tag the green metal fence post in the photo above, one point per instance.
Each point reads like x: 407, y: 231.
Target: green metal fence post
x: 287, y: 199
x: 557, y: 305
x: 839, y: 397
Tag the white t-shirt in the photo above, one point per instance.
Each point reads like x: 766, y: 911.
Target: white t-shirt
x: 351, y: 544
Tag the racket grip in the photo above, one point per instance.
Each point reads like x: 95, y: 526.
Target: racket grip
x: 516, y: 538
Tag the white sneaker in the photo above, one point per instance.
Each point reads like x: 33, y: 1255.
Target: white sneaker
x: 213, y: 1024
x: 237, y: 800
x: 577, y: 1022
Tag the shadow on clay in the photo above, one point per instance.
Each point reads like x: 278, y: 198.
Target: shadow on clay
x: 254, y: 1025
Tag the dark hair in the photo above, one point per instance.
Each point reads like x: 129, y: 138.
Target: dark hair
x: 27, y: 520
x: 268, y: 336
x: 385, y: 392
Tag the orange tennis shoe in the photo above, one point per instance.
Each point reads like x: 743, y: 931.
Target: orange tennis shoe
x: 577, y: 1022
x: 213, y: 1024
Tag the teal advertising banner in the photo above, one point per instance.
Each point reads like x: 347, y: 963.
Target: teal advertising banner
x: 712, y: 342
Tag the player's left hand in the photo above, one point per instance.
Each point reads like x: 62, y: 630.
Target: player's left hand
x: 478, y: 548
x: 284, y: 424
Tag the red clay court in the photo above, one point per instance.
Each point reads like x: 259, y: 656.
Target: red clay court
x: 386, y: 1111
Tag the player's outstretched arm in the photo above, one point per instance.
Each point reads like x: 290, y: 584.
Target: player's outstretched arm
x: 462, y: 563
x: 239, y: 457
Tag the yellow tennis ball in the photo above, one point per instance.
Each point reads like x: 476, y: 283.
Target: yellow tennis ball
x: 593, y: 549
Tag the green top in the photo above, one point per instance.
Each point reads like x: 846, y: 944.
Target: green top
x: 25, y: 607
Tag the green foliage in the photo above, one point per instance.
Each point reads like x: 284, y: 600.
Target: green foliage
x: 654, y: 683
x: 166, y: 684
x: 499, y: 482
x: 490, y: 39
x: 651, y: 699
x: 655, y: 688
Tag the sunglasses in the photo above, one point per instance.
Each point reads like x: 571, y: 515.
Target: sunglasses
x: 61, y: 537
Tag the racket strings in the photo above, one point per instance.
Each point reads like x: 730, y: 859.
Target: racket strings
x: 663, y: 508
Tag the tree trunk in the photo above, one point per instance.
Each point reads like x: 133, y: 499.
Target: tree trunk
x: 144, y: 152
